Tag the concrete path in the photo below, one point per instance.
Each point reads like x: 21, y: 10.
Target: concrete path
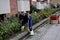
x: 53, y: 33
x: 48, y: 32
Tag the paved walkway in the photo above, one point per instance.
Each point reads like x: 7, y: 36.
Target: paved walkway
x: 48, y: 32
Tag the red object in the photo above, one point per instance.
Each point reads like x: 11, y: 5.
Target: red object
x: 41, y: 14
x: 54, y: 18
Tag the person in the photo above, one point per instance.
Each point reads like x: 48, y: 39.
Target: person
x: 24, y: 20
x: 27, y: 18
x: 30, y: 23
x: 20, y: 16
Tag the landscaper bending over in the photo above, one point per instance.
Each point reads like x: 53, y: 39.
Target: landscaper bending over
x: 27, y: 18
x: 24, y: 20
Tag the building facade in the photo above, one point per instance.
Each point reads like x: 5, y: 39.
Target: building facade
x: 14, y: 5
x: 41, y: 4
x: 33, y: 2
x: 11, y: 7
x: 55, y: 1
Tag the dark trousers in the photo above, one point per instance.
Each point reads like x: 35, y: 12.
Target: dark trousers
x: 30, y: 23
x: 23, y: 23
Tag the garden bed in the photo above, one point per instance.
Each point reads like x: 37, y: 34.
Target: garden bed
x: 11, y: 26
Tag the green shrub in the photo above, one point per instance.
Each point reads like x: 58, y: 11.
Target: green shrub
x: 9, y: 27
x: 32, y: 9
x: 47, y: 12
x: 35, y: 17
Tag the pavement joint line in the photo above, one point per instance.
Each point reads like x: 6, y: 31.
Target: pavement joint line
x: 56, y: 35
x: 42, y: 32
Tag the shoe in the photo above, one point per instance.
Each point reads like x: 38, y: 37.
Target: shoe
x: 22, y: 28
x: 32, y: 32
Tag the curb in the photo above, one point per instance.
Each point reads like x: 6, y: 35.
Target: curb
x: 25, y: 33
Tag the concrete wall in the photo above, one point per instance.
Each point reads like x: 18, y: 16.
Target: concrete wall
x: 4, y: 6
x: 23, y: 5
